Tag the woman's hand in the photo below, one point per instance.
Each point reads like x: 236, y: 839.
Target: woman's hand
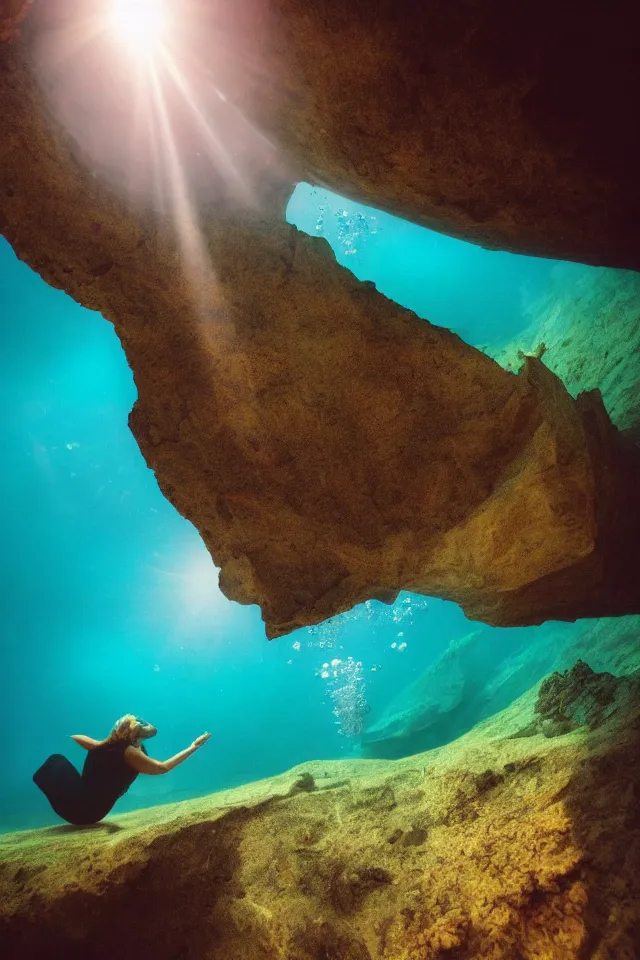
x: 200, y: 740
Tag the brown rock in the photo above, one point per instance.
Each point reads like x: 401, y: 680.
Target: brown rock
x: 12, y: 13
x: 328, y: 445
x: 508, y: 124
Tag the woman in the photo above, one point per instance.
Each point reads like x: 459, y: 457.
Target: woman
x: 109, y: 770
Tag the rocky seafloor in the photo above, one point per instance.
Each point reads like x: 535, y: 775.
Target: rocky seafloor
x: 482, y: 672
x: 520, y: 840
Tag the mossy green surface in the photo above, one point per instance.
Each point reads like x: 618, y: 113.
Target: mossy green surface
x: 518, y: 840
x: 590, y: 330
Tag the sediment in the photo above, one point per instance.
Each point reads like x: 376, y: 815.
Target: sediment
x: 521, y: 839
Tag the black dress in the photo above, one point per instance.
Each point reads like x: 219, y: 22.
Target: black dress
x: 86, y: 798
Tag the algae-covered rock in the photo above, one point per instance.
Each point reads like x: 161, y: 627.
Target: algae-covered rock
x: 498, y: 845
x: 443, y: 702
x: 589, y: 324
x: 579, y: 697
x: 484, y: 671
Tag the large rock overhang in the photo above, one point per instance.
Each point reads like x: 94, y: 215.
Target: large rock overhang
x: 328, y: 445
x: 508, y: 124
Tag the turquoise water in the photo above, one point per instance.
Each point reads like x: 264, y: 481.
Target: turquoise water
x: 482, y: 295
x: 110, y: 602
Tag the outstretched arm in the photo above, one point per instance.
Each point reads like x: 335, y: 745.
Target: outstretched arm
x: 87, y: 742
x: 141, y: 763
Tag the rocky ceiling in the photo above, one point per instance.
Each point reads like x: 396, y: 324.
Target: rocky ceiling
x: 328, y: 445
x: 508, y: 124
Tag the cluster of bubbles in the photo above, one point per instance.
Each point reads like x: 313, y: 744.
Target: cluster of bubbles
x: 346, y: 685
x: 402, y: 614
x: 399, y: 646
x: 403, y: 611
x: 345, y: 677
x: 326, y: 634
x: 352, y: 228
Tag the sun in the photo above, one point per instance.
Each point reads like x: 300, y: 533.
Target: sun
x: 140, y: 24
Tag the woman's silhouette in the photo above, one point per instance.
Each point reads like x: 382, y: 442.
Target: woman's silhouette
x: 110, y: 768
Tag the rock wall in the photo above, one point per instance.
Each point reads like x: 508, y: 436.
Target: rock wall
x: 587, y: 330
x: 507, y: 124
x: 12, y: 13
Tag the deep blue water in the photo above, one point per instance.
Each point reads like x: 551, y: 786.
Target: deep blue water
x: 109, y: 600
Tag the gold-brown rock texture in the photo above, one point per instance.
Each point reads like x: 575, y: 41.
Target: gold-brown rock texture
x: 328, y: 445
x: 520, y: 840
x: 508, y: 124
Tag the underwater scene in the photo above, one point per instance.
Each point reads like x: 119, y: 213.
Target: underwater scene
x: 320, y: 487
x: 111, y: 602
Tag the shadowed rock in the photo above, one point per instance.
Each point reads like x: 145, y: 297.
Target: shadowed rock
x: 12, y: 13
x: 508, y: 124
x: 580, y: 697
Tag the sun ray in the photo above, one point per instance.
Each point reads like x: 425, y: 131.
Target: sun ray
x: 196, y: 260
x: 213, y: 143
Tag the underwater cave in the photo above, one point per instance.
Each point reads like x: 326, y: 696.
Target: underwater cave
x: 320, y: 367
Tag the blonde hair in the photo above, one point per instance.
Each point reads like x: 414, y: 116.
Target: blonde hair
x: 126, y: 728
